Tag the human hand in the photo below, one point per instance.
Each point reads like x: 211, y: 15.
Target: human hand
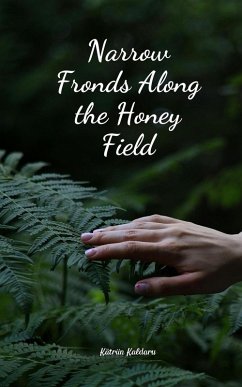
x: 206, y: 260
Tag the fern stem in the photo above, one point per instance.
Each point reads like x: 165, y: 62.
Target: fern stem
x: 63, y: 293
x: 64, y: 282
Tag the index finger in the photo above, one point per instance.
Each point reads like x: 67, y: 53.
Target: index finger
x: 152, y: 221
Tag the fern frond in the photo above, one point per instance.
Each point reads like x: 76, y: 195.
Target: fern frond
x: 98, y: 273
x: 15, y: 272
x: 51, y: 365
x: 48, y: 210
x: 12, y: 160
x: 150, y: 316
x: 235, y: 315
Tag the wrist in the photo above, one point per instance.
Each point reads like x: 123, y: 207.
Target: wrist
x: 237, y: 255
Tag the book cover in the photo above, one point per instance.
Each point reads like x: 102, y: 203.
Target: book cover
x: 120, y: 193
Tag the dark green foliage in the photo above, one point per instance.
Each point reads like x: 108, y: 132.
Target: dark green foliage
x: 42, y: 217
x: 61, y: 366
x: 15, y: 271
x: 48, y: 211
x: 44, y: 270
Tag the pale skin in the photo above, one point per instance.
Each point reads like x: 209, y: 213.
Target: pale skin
x: 206, y: 260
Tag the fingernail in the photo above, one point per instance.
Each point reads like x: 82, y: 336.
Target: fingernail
x: 90, y: 252
x: 86, y: 236
x: 142, y: 288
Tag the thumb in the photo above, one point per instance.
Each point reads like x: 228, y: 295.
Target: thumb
x: 168, y: 286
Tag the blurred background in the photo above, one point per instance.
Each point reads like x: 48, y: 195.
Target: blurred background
x: 196, y: 173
